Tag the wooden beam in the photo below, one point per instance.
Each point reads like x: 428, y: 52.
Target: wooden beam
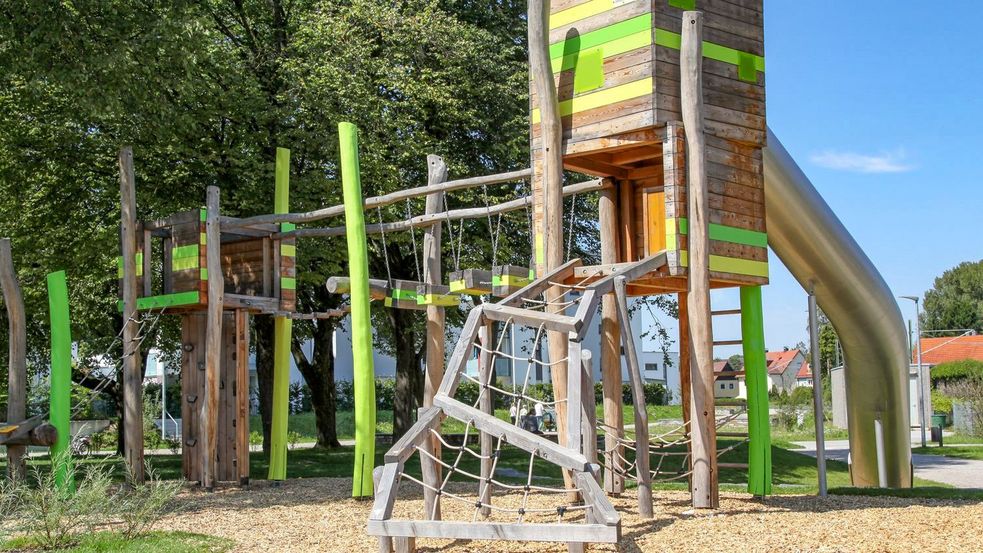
x: 213, y: 340
x: 610, y: 347
x: 536, y: 532
x: 543, y: 448
x: 626, y: 200
x: 595, y: 167
x: 13, y: 300
x: 427, y: 419
x: 542, y: 283
x: 42, y: 435
x: 427, y: 220
x: 638, y: 399
x: 388, y: 199
x: 486, y: 374
x: 704, y: 478
x: 378, y: 288
x: 462, y: 352
x: 528, y: 317
x: 132, y: 367
x: 435, y: 338
x: 242, y: 395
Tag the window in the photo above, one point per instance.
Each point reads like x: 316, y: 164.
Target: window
x: 731, y: 385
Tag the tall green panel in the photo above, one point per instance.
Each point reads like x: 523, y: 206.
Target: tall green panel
x: 282, y: 334
x: 358, y: 269
x: 756, y: 377
x: 60, y: 407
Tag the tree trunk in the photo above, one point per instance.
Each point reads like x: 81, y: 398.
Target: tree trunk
x: 407, y: 371
x: 319, y: 375
x: 264, y: 375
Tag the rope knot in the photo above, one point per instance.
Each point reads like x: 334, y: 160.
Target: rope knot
x: 561, y: 510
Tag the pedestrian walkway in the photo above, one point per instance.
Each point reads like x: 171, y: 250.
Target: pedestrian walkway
x: 961, y: 473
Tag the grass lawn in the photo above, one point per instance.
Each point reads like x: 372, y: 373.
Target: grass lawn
x: 151, y: 542
x: 971, y: 452
x: 958, y: 438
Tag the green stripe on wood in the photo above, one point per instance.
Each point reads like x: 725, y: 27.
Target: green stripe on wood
x: 139, y: 263
x: 203, y: 274
x: 202, y: 215
x: 181, y: 252
x: 441, y: 300
x: 184, y: 263
x: 176, y: 299
x: 718, y: 232
x: 683, y: 4
x: 751, y: 63
x: 288, y: 283
x: 601, y: 36
x: 287, y: 227
x: 288, y: 250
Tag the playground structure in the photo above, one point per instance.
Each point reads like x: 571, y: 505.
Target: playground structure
x: 665, y: 107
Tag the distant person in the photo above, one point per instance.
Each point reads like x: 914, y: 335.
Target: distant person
x: 512, y: 412
x: 539, y: 410
x: 523, y: 415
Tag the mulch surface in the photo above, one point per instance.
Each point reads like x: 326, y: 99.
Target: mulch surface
x: 318, y: 515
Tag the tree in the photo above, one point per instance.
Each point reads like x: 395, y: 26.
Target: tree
x: 956, y: 299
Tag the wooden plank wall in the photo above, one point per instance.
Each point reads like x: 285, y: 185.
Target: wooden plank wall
x: 735, y: 109
x: 233, y: 412
x: 242, y: 266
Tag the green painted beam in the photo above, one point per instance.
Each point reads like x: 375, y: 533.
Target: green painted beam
x: 60, y: 392
x: 282, y: 335
x: 358, y: 272
x: 756, y: 379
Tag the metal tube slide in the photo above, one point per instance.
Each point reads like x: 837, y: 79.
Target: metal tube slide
x: 824, y: 258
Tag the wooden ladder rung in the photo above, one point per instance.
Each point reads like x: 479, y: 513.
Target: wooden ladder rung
x: 732, y: 434
x: 726, y: 312
x: 728, y: 342
x: 732, y: 465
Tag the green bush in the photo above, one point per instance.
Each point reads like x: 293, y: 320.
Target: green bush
x: 956, y: 370
x: 53, y: 518
x: 941, y: 403
x: 800, y: 396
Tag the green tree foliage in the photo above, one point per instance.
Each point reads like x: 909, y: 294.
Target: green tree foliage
x: 956, y: 299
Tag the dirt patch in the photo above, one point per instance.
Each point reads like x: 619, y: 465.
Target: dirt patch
x: 318, y: 515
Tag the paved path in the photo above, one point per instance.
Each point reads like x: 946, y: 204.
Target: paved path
x: 961, y: 473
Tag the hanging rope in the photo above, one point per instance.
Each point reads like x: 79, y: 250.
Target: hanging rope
x: 573, y: 217
x: 385, y: 248
x: 416, y: 255
x: 493, y: 230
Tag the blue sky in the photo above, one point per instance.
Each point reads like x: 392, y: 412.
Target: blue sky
x: 881, y: 104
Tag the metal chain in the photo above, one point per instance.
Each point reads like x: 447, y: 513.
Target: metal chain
x: 385, y: 248
x: 416, y: 260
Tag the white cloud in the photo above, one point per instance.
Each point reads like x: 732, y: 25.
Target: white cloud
x: 891, y: 162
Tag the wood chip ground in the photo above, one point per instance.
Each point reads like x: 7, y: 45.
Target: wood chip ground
x: 318, y: 515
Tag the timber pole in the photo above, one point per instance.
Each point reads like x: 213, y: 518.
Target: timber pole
x: 282, y: 334
x: 703, y: 427
x: 17, y: 357
x: 548, y: 198
x: 213, y: 338
x: 60, y: 392
x: 436, y: 322
x: 363, y: 371
x: 132, y: 374
x: 614, y: 482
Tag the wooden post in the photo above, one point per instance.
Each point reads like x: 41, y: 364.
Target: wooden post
x: 436, y: 174
x: 486, y: 374
x: 626, y: 199
x: 242, y: 394
x: 132, y: 374
x: 548, y: 197
x: 213, y: 339
x: 638, y: 400
x: 704, y: 479
x: 685, y: 376
x: 17, y: 357
x: 589, y: 409
x: 614, y: 482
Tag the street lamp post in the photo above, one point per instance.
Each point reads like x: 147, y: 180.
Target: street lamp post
x: 923, y: 404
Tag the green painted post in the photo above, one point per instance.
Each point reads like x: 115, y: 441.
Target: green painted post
x: 756, y: 378
x: 282, y: 333
x: 358, y: 272
x: 60, y: 406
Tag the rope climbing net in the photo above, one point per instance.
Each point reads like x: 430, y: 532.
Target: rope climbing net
x: 146, y: 323
x: 669, y: 450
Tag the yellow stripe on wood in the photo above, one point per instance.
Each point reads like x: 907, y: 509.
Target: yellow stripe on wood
x: 601, y: 98
x: 582, y: 11
x: 733, y: 265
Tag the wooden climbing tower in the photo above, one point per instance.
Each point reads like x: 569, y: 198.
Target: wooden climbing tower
x: 668, y: 104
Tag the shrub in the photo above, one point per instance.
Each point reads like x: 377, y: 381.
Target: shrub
x: 941, y: 403
x: 800, y: 396
x: 255, y: 438
x: 138, y: 507
x: 55, y: 518
x: 969, y: 391
x: 945, y: 373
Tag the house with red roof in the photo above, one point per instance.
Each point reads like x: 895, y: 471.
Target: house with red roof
x: 784, y: 367
x: 950, y: 348
x: 804, y: 377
